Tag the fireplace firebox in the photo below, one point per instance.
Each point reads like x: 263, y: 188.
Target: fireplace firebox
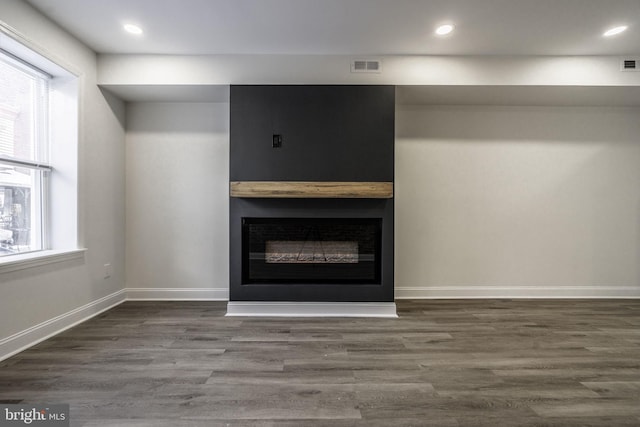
x: 311, y: 250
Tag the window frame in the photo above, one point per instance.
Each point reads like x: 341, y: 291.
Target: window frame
x: 63, y: 210
x: 38, y: 164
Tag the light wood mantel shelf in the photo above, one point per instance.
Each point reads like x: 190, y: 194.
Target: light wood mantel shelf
x: 312, y: 189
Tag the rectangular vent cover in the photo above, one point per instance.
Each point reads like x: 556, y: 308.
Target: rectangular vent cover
x: 630, y: 64
x: 366, y: 66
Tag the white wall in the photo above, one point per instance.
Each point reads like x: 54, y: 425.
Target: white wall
x: 517, y: 201
x: 490, y: 201
x: 141, y: 70
x: 177, y: 165
x: 37, y: 301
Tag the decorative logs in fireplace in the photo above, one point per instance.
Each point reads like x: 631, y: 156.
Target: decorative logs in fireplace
x: 311, y: 250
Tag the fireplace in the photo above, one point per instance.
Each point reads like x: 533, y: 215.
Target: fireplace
x: 311, y: 198
x: 306, y: 250
x: 323, y: 251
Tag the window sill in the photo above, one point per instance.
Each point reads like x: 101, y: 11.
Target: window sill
x: 37, y: 259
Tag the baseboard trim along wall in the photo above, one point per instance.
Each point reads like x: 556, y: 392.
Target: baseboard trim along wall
x: 311, y: 309
x: 526, y: 292
x: 29, y: 337
x: 177, y: 294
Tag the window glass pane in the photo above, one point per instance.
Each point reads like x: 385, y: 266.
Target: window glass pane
x: 20, y: 210
x: 22, y: 112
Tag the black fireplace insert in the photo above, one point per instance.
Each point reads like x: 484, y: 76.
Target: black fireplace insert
x: 311, y: 250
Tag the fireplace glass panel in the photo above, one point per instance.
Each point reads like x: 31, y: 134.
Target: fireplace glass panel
x: 311, y: 250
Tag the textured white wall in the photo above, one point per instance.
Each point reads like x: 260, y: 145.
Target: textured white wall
x: 37, y: 295
x: 177, y: 200
x: 517, y: 201
x: 490, y: 201
x: 335, y: 69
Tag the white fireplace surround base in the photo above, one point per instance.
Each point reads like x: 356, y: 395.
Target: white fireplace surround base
x: 311, y: 309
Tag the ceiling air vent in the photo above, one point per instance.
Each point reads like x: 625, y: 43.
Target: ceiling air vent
x: 630, y: 65
x: 366, y: 66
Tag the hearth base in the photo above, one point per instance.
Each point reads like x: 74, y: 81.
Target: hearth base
x: 311, y: 309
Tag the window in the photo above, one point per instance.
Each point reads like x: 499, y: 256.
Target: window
x: 39, y: 142
x: 24, y: 157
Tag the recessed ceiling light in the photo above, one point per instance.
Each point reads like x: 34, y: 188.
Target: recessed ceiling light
x: 445, y: 29
x: 132, y: 28
x: 615, y: 30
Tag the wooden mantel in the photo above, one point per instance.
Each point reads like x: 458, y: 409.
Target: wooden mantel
x: 312, y: 189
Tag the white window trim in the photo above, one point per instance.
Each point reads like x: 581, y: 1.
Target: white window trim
x: 38, y: 259
x: 65, y: 86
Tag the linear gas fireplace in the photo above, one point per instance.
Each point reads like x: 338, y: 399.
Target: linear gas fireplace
x: 311, y: 250
x: 311, y: 200
x: 328, y: 251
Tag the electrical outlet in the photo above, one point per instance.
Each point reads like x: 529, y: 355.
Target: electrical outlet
x: 277, y: 141
x: 107, y: 270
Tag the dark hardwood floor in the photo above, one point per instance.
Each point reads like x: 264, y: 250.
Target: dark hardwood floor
x: 442, y: 363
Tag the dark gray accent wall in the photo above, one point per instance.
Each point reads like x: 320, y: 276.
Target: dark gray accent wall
x: 328, y: 133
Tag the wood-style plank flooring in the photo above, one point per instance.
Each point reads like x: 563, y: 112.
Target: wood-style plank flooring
x: 442, y: 363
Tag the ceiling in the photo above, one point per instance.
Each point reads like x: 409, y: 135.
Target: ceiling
x: 364, y: 27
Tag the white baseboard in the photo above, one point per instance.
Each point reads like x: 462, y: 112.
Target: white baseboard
x: 29, y: 337
x: 471, y: 292
x: 177, y: 294
x: 311, y: 309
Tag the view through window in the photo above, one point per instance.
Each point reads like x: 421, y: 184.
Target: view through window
x: 24, y: 167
